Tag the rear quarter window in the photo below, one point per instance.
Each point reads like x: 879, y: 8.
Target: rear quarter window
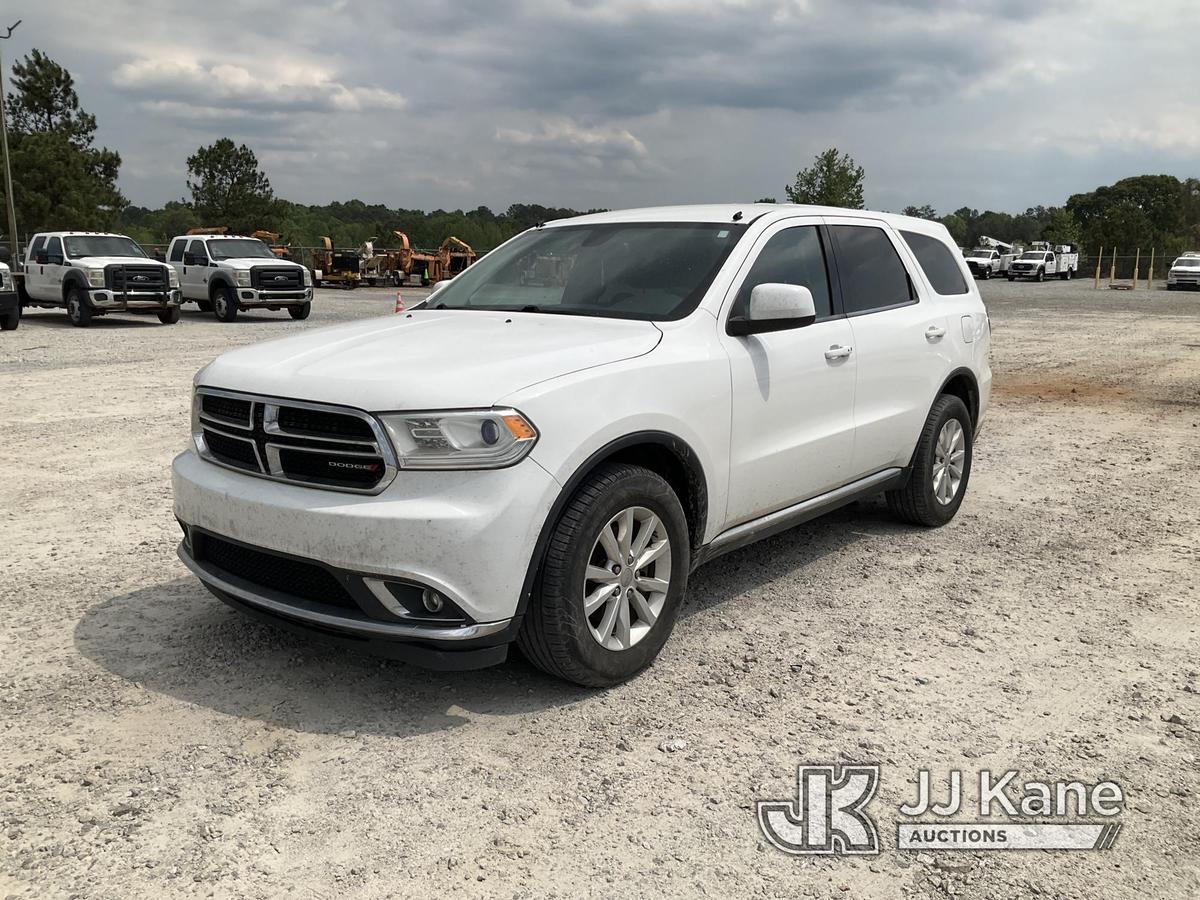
x: 937, y: 262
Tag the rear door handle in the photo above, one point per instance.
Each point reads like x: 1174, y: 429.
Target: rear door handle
x: 837, y: 351
x: 934, y: 333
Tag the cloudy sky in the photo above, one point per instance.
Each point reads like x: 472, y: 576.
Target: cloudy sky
x: 611, y: 103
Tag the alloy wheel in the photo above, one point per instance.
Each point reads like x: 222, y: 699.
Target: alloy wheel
x: 627, y: 579
x: 949, y: 455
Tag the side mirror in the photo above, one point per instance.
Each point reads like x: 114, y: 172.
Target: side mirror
x: 774, y: 307
x: 438, y: 287
x: 5, y: 255
x: 189, y: 259
x: 42, y: 258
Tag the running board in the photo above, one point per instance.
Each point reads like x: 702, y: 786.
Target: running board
x: 756, y: 529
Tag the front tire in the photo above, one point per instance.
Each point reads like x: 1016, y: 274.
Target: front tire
x: 225, y: 305
x: 78, y: 310
x: 1012, y: 277
x: 12, y: 320
x: 941, y: 467
x: 169, y: 316
x: 612, y: 581
x: 301, y: 311
x: 1041, y: 275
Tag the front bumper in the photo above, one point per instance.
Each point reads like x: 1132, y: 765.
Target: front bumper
x: 470, y: 536
x: 134, y: 301
x: 255, y: 297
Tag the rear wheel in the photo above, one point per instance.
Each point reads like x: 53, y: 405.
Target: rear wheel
x: 78, y: 310
x: 169, y: 316
x: 612, y: 580
x: 10, y: 321
x: 225, y: 305
x: 301, y: 311
x: 941, y: 467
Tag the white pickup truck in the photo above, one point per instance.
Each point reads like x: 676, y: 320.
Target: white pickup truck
x: 984, y: 262
x: 10, y: 302
x: 1043, y: 261
x: 92, y: 274
x: 225, y: 273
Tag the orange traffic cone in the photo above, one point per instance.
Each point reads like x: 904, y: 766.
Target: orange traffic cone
x: 399, y: 303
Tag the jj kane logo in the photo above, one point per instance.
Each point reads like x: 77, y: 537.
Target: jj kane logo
x: 829, y: 814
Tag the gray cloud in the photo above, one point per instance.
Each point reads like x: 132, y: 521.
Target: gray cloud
x: 623, y: 102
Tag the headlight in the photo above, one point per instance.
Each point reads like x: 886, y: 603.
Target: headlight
x: 95, y: 278
x: 307, y: 277
x: 172, y: 277
x: 462, y: 439
x: 243, y: 278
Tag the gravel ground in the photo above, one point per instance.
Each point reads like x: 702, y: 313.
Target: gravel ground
x: 155, y: 743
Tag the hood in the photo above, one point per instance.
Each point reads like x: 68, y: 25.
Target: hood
x: 436, y: 359
x: 97, y: 262
x: 249, y: 262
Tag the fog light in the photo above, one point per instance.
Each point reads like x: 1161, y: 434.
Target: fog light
x: 432, y: 601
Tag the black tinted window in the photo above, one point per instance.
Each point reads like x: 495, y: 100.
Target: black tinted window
x: 196, y: 248
x: 793, y: 256
x: 177, y: 251
x: 872, y: 275
x: 54, y: 248
x: 937, y: 262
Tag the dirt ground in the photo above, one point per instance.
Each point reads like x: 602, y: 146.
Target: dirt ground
x: 155, y: 743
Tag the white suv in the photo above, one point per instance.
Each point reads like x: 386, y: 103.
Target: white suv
x: 226, y: 273
x: 565, y: 431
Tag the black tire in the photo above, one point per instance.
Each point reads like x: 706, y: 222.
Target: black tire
x: 1041, y: 275
x: 1170, y: 287
x: 396, y: 279
x: 78, y: 309
x: 301, y: 311
x: 204, y: 305
x: 555, y: 634
x: 169, y: 316
x: 915, y: 502
x: 1012, y: 277
x: 225, y: 305
x: 351, y: 284
x: 10, y: 321
x: 987, y: 274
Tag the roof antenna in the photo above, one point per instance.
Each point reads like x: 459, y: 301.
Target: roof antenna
x: 737, y: 216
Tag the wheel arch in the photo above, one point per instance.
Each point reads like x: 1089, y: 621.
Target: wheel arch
x: 661, y: 452
x: 73, y: 279
x: 962, y: 383
x: 217, y: 281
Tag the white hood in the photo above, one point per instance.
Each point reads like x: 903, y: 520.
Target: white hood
x: 436, y: 359
x: 99, y: 262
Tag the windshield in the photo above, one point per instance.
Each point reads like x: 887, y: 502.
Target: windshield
x: 1033, y: 254
x: 982, y: 251
x: 101, y: 245
x: 239, y: 248
x: 621, y: 271
x: 1190, y: 262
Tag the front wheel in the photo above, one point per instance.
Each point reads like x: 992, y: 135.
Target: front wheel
x: 169, y: 316
x: 301, y: 311
x: 1012, y: 277
x: 225, y: 305
x: 941, y: 467
x: 612, y: 581
x: 12, y: 320
x: 78, y: 310
x: 1041, y: 275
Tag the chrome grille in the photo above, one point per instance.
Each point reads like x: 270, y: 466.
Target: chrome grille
x: 313, y: 444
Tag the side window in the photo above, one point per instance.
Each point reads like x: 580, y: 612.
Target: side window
x: 793, y: 256
x: 54, y: 251
x: 198, y: 250
x: 36, y: 247
x: 873, y: 277
x: 177, y: 251
x: 937, y: 262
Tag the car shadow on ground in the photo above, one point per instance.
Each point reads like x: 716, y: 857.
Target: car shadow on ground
x: 176, y: 639
x: 58, y: 319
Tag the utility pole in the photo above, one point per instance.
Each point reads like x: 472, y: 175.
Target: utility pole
x: 8, y: 188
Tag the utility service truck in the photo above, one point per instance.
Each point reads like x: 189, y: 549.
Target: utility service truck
x: 223, y: 274
x: 91, y: 274
x: 1042, y: 261
x: 991, y: 257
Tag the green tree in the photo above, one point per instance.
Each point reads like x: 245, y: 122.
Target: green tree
x: 60, y: 179
x: 832, y: 180
x: 921, y: 212
x: 1060, y: 227
x: 228, y: 188
x: 766, y: 200
x: 957, y: 228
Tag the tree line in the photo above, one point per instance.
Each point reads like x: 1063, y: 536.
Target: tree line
x: 62, y: 180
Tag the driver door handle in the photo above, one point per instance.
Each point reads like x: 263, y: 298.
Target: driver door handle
x: 837, y: 351
x: 934, y: 333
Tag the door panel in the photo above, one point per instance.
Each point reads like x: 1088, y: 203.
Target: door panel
x: 900, y: 345
x: 792, y: 423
